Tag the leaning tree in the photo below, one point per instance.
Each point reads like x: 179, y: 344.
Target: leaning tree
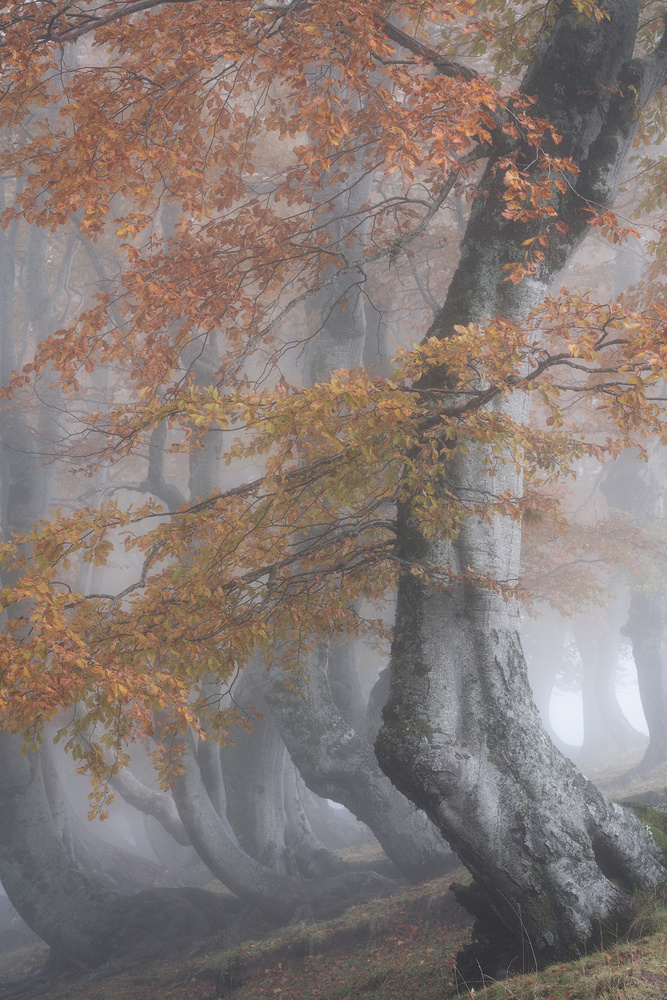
x: 248, y: 117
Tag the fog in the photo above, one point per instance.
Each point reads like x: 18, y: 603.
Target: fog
x: 566, y: 709
x: 331, y: 428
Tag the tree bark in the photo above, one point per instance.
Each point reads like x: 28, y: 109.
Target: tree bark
x: 253, y: 767
x: 312, y: 858
x: 338, y: 763
x: 461, y: 736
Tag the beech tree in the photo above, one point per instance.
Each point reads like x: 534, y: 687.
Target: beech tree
x: 455, y: 753
x: 418, y: 480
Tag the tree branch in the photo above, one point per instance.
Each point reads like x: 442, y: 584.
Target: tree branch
x: 90, y: 22
x: 443, y: 65
x: 155, y: 482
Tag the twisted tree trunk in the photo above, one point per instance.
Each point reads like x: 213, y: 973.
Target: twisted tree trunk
x: 275, y: 893
x: 338, y: 763
x: 84, y: 923
x: 553, y: 859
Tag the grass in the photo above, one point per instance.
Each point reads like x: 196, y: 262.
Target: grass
x: 401, y: 948
x: 619, y: 780
x: 633, y: 969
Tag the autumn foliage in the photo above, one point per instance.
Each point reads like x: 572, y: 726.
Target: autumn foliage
x: 204, y: 146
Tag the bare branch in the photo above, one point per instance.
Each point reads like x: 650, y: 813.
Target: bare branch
x: 90, y: 22
x: 443, y: 65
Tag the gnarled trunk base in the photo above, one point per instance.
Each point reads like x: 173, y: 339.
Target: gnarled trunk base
x: 555, y: 859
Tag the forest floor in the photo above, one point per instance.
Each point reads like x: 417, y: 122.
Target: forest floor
x: 401, y: 948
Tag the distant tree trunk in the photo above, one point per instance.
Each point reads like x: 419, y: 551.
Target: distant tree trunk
x: 607, y: 731
x: 647, y: 627
x: 273, y: 892
x: 263, y: 804
x: 84, y: 922
x: 254, y: 769
x: 324, y: 731
x: 544, y: 642
x: 638, y: 488
x: 117, y: 869
x: 345, y: 683
x: 35, y: 866
x: 552, y: 859
x: 312, y: 858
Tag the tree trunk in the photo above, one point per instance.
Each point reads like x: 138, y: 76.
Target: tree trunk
x: 345, y: 683
x: 83, y: 922
x: 253, y: 767
x: 325, y: 730
x: 72, y: 912
x: 606, y: 729
x: 554, y: 859
x: 338, y: 763
x: 263, y: 805
x: 647, y: 627
x: 311, y: 858
x: 638, y: 488
x: 276, y: 894
x: 543, y: 641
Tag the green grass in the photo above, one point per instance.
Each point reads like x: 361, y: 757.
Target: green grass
x: 633, y: 969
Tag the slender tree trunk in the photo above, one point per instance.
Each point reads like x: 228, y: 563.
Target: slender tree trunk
x: 311, y: 858
x: 275, y: 893
x: 551, y: 857
x: 254, y: 768
x: 345, y: 683
x: 263, y: 804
